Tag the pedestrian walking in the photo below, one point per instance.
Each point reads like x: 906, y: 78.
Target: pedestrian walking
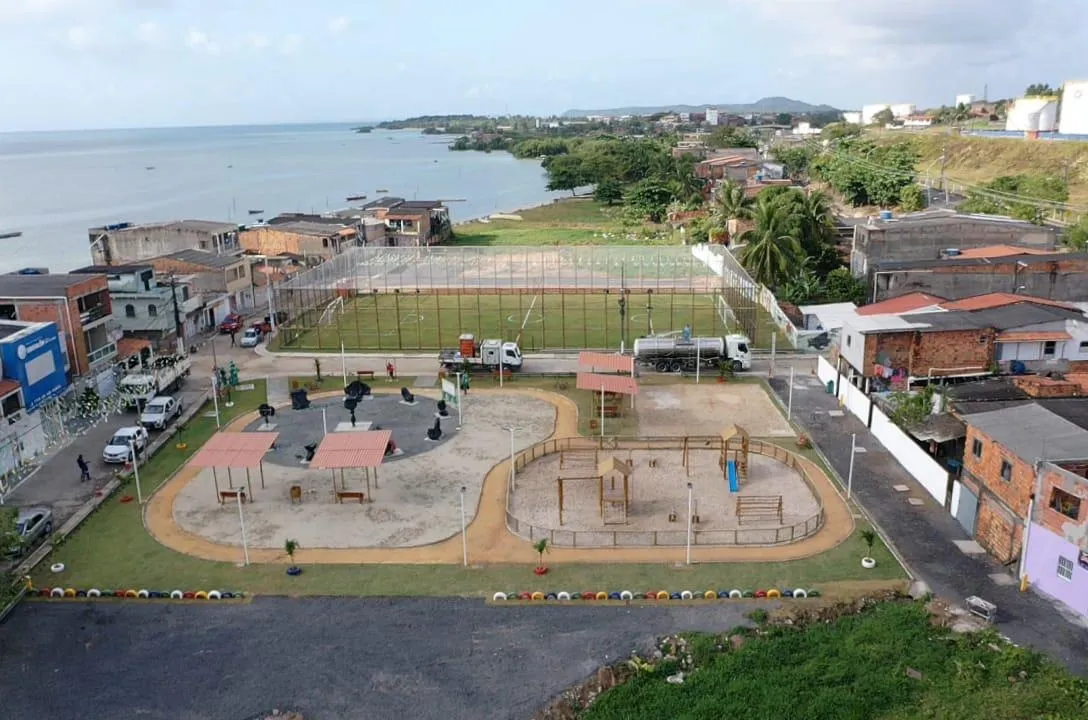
x: 84, y: 469
x: 391, y: 371
x: 232, y: 338
x: 352, y: 416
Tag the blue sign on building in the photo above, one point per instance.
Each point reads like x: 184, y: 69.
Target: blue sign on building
x: 32, y: 356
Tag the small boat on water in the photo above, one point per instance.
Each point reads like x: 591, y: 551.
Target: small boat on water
x: 353, y: 198
x: 12, y: 234
x: 255, y: 212
x: 149, y: 167
x: 382, y: 190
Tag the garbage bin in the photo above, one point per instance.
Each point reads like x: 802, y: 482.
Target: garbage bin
x: 830, y: 387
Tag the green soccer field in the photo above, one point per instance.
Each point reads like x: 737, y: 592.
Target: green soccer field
x: 419, y: 321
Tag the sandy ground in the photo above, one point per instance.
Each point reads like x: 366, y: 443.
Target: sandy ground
x: 655, y: 492
x: 707, y: 408
x: 417, y: 501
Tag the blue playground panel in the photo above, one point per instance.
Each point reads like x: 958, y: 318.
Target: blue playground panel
x: 734, y: 483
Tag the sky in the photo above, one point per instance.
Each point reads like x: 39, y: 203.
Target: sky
x: 71, y: 64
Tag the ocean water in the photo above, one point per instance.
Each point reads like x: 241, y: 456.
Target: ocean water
x: 56, y: 185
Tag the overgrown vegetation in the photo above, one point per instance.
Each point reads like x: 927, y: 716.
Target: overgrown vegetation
x: 1000, y: 196
x: 889, y: 661
x: 912, y: 408
x: 867, y: 173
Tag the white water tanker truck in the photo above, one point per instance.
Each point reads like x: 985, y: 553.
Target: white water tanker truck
x: 673, y: 354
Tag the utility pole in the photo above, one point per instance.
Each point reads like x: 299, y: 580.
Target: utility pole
x: 944, y: 161
x: 178, y: 329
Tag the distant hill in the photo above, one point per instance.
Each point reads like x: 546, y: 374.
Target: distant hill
x: 765, y: 105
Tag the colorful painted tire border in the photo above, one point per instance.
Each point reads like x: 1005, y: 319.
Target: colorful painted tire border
x: 658, y: 595
x: 141, y: 594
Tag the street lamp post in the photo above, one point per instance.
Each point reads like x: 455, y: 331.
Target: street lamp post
x: 136, y: 470
x: 789, y: 402
x: 850, y: 475
x: 464, y: 531
x: 688, y: 559
x: 242, y: 522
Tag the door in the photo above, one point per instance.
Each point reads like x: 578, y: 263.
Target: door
x: 967, y: 511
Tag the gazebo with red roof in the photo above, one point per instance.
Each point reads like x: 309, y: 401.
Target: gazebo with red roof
x: 607, y: 385
x: 343, y: 450
x: 235, y: 450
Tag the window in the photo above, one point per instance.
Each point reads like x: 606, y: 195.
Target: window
x: 1006, y: 470
x: 1065, y: 568
x: 847, y: 341
x: 130, y: 311
x: 1048, y: 348
x: 976, y: 448
x: 1065, y: 503
x: 1084, y: 346
x: 152, y: 310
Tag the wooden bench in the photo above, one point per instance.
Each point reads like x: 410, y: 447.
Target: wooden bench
x: 506, y: 374
x: 759, y: 508
x: 342, y: 495
x: 611, y: 411
x: 364, y: 374
x: 225, y: 495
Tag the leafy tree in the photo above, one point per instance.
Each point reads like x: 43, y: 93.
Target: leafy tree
x: 1076, y: 237
x: 565, y: 172
x: 649, y: 199
x: 865, y: 173
x: 912, y: 198
x: 727, y: 137
x: 803, y: 287
x: 795, y: 160
x: 783, y: 119
x: 1040, y: 89
x: 840, y: 130
x: 817, y: 221
x: 729, y: 203
x: 770, y: 249
x: 842, y: 286
x: 9, y: 538
x: 1017, y: 196
x: 608, y: 191
x: 883, y: 117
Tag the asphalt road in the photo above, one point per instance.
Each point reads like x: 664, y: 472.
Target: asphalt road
x: 328, y: 658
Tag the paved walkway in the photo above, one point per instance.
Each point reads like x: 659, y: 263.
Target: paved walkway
x: 489, y: 540
x: 926, y: 535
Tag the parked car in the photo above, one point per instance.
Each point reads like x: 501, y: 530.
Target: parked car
x: 32, y: 526
x: 231, y: 323
x: 119, y: 448
x: 160, y: 412
x: 251, y: 338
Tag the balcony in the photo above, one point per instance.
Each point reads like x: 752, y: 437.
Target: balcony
x: 93, y: 315
x: 107, y: 352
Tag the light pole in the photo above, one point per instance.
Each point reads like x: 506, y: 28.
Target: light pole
x: 460, y: 400
x: 850, y: 475
x: 512, y: 471
x: 789, y: 402
x: 242, y: 522
x: 688, y: 560
x: 215, y: 398
x: 136, y: 470
x: 464, y: 531
x: 268, y: 287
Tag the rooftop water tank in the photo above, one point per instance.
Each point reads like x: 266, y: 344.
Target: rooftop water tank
x: 885, y: 214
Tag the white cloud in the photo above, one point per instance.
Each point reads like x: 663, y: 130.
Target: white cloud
x: 473, y: 92
x: 198, y: 41
x: 339, y: 25
x: 257, y: 41
x: 289, y: 45
x: 80, y: 37
x: 149, y: 33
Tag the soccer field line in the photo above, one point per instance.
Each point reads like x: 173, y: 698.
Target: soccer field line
x: 526, y: 320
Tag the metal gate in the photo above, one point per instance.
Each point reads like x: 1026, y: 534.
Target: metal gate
x: 967, y: 511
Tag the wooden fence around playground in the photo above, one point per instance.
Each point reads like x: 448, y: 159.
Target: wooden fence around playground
x: 762, y: 536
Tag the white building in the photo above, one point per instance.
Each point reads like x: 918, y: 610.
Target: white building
x: 965, y: 100
x: 853, y: 117
x: 1074, y: 108
x: 917, y: 121
x: 712, y: 116
x: 899, y: 110
x: 1033, y: 114
x: 804, y: 127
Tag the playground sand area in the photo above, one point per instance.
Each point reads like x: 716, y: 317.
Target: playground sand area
x: 657, y: 493
x: 707, y: 408
x: 416, y: 501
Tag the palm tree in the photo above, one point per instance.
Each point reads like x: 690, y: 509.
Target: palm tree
x: 730, y: 203
x: 769, y: 248
x: 816, y: 221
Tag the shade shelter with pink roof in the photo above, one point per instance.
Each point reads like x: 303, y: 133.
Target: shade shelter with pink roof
x: 607, y: 384
x: 344, y: 450
x: 235, y: 450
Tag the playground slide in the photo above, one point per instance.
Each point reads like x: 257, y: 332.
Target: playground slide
x: 734, y: 483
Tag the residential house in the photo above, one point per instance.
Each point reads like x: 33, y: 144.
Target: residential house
x: 125, y: 243
x: 315, y: 241
x: 78, y: 304
x: 214, y: 276
x: 728, y: 167
x: 918, y: 121
x: 712, y: 116
x: 924, y: 236
x: 411, y: 223
x: 1055, y: 553
x: 1061, y: 276
x: 1003, y: 450
x: 804, y: 128
x: 152, y: 307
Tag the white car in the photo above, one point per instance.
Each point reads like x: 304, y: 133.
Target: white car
x: 251, y: 338
x: 119, y: 448
x: 160, y: 412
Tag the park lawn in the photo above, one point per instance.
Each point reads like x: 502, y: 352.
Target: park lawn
x: 855, y: 667
x: 113, y: 549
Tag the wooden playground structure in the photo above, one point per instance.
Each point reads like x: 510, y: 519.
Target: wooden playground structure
x: 613, y: 477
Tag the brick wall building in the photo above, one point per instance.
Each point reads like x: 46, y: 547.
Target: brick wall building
x: 1056, y: 277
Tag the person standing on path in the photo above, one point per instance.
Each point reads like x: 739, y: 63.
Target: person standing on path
x: 84, y: 469
x: 352, y: 411
x: 232, y: 338
x: 391, y: 371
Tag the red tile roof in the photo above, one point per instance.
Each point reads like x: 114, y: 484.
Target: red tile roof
x: 901, y: 304
x: 611, y: 362
x: 361, y: 449
x: 7, y: 387
x: 993, y: 300
x: 998, y: 251
x: 620, y: 384
x: 235, y: 450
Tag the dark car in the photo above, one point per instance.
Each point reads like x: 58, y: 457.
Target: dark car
x: 231, y: 323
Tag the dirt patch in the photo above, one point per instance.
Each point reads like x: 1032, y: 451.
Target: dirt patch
x: 707, y: 408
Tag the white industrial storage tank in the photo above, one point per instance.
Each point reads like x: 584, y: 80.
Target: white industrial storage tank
x: 869, y: 111
x: 1074, y: 119
x: 964, y: 100
x: 1022, y: 115
x: 902, y: 110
